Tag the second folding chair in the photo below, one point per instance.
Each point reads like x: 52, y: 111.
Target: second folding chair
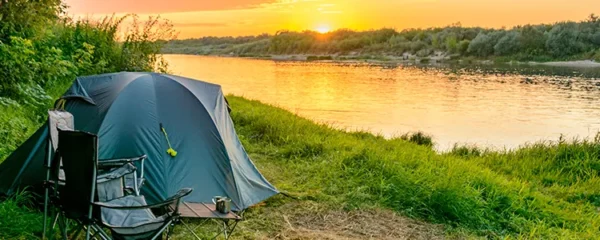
x: 127, y: 217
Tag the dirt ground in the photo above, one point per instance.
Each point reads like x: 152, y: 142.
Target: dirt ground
x: 356, y: 224
x: 303, y: 220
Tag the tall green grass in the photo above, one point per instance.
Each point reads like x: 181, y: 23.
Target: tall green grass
x: 18, y: 219
x: 522, y: 193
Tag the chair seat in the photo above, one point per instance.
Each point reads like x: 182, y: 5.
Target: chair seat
x: 130, y: 224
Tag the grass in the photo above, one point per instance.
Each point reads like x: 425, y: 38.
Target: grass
x: 544, y: 190
x: 418, y: 138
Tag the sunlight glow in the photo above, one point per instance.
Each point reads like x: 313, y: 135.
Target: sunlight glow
x: 194, y: 18
x: 323, y: 29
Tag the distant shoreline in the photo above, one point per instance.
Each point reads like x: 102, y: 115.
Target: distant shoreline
x: 399, y: 60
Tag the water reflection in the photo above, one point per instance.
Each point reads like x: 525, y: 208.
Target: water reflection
x: 489, y: 107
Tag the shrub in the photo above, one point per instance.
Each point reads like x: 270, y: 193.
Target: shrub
x: 482, y: 45
x: 463, y: 46
x: 563, y: 40
x: 419, y: 138
x: 508, y: 44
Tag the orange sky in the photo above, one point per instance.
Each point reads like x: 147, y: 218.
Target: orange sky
x: 196, y: 18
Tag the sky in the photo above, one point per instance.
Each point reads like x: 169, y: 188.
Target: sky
x: 197, y: 18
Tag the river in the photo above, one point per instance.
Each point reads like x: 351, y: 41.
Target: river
x: 487, y: 107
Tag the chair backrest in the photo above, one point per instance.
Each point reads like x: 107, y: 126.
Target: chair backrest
x: 59, y: 119
x: 79, y: 152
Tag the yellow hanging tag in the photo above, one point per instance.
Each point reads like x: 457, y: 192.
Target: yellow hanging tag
x: 170, y: 151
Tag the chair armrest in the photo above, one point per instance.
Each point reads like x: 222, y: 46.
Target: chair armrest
x: 120, y: 161
x: 175, y: 198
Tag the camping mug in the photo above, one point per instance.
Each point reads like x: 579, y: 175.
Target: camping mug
x: 223, y: 204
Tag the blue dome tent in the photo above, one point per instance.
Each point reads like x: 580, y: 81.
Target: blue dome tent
x: 198, y: 148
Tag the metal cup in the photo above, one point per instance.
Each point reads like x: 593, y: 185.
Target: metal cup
x: 223, y: 204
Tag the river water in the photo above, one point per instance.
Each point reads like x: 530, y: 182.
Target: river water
x: 489, y: 106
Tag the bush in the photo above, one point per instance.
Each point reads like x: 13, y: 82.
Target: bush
x: 419, y: 138
x: 563, y: 40
x: 463, y: 46
x: 482, y: 45
x: 508, y: 44
x: 451, y: 44
x: 466, y: 151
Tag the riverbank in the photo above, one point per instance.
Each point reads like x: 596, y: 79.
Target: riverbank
x: 440, y: 58
x: 378, y: 185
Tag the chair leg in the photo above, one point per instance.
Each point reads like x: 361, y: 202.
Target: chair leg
x: 87, y: 233
x: 62, y: 224
x: 98, y: 231
x: 161, y: 230
x: 45, y: 214
x: 77, y: 232
x: 55, y: 219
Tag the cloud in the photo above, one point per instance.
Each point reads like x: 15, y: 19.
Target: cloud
x: 200, y: 24
x: 158, y: 6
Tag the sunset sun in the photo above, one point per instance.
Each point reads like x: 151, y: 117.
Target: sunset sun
x: 323, y: 29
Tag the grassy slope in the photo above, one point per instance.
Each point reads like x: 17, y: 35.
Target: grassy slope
x: 541, y: 191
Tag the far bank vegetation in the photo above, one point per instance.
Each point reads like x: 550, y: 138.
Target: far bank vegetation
x: 544, y: 42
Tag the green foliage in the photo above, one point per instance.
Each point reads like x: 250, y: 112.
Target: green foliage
x: 543, y: 191
x: 418, y: 138
x: 559, y: 41
x: 17, y: 219
x: 481, y: 46
x: 484, y: 44
x: 466, y: 151
x: 41, y: 54
x: 508, y: 44
x: 463, y: 46
x: 563, y: 40
x: 27, y: 19
x: 532, y: 39
x: 451, y: 44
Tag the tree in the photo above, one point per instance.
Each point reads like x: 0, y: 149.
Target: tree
x: 508, y: 44
x: 482, y: 45
x: 532, y: 39
x: 563, y: 40
x: 452, y: 44
x: 463, y: 46
x: 592, y: 18
x: 27, y: 19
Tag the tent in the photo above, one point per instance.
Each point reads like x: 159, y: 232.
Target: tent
x: 128, y: 111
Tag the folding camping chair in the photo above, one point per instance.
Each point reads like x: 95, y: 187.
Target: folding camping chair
x: 112, y: 169
x: 60, y: 119
x: 127, y: 217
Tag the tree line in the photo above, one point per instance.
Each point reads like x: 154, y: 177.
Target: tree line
x: 561, y: 40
